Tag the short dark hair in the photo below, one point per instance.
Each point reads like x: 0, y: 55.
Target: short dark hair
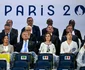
x: 7, y: 24
x: 29, y: 18
x: 49, y: 21
x: 3, y: 37
x: 71, y: 21
x: 9, y: 20
x: 45, y: 36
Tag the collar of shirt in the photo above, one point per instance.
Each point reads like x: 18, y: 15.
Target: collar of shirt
x: 73, y: 33
x: 25, y: 41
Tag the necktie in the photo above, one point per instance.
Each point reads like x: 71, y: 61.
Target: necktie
x: 9, y: 37
x: 25, y: 47
x: 83, y: 58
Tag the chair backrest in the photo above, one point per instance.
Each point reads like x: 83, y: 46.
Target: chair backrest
x: 0, y: 68
x: 3, y: 64
x: 68, y: 64
x: 82, y: 68
x: 18, y: 68
x: 67, y: 57
x: 24, y: 57
x: 23, y: 64
x: 43, y: 65
x: 64, y: 68
x: 45, y: 57
x: 41, y: 68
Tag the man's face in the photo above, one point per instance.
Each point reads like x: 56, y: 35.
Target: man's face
x: 9, y: 22
x: 6, y: 29
x: 25, y: 35
x: 69, y: 36
x: 30, y: 21
x: 28, y: 30
x: 69, y: 29
x: 50, y: 29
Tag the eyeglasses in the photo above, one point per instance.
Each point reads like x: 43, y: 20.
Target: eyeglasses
x: 29, y: 20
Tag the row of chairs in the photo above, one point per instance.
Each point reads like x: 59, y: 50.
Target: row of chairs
x: 25, y: 61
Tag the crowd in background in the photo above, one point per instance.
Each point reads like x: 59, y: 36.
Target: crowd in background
x: 31, y: 40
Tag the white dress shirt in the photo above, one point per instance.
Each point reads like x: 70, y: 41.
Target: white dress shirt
x: 44, y: 47
x: 68, y: 48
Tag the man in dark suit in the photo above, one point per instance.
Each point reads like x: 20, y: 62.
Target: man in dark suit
x: 50, y: 22
x: 35, y: 29
x: 30, y: 35
x: 21, y: 47
x: 71, y: 26
x: 13, y: 30
x: 11, y: 35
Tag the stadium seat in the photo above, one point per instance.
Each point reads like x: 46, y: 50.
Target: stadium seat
x: 82, y: 68
x: 18, y: 68
x: 67, y: 57
x: 22, y: 64
x: 45, y: 57
x: 44, y: 64
x: 41, y: 68
x: 67, y: 60
x: 3, y: 64
x: 25, y: 57
x: 64, y: 68
x: 0, y: 68
x: 45, y: 60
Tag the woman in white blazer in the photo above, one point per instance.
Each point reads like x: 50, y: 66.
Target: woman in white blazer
x: 49, y: 47
x: 6, y: 47
x: 69, y: 46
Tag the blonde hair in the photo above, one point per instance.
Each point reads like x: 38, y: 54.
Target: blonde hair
x: 27, y: 27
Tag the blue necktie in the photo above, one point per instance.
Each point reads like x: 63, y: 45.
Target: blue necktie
x: 83, y: 58
x: 25, y: 47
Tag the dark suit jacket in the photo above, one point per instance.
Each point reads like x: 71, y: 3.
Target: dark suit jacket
x: 13, y: 38
x: 13, y: 30
x: 32, y: 38
x: 35, y: 31
x: 55, y: 40
x: 77, y: 33
x: 55, y: 32
x: 31, y: 46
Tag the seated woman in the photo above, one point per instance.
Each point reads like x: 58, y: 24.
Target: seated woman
x: 48, y: 47
x: 69, y: 46
x: 81, y: 57
x: 6, y: 47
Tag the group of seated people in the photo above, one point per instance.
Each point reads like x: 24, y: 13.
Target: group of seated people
x: 49, y: 42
